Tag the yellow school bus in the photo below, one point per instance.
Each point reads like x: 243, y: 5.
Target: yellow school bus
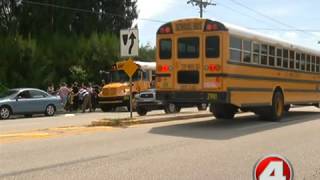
x: 117, y: 92
x: 233, y: 69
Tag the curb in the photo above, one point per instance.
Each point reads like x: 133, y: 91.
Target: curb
x: 127, y: 122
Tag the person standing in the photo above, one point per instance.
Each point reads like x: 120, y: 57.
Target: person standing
x: 50, y: 89
x: 75, y: 90
x: 85, y: 96
x: 63, y: 93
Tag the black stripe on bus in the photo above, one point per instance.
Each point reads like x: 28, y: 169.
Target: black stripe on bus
x: 163, y: 75
x: 241, y: 76
x: 302, y: 90
x: 250, y: 89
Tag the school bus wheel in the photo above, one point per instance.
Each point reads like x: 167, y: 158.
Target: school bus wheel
x: 317, y: 105
x: 223, y: 111
x: 287, y: 107
x: 276, y: 110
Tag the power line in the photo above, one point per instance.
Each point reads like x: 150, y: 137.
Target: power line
x: 202, y: 5
x: 84, y: 10
x: 266, y: 16
x: 275, y: 29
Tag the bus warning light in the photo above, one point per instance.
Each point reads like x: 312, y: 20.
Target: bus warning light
x: 211, y: 27
x: 165, y: 30
x: 214, y: 67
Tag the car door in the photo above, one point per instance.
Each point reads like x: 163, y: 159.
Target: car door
x: 39, y: 100
x: 23, y: 103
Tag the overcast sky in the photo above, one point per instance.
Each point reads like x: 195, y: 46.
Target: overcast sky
x: 292, y: 14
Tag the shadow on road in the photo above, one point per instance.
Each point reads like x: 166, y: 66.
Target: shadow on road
x: 228, y: 129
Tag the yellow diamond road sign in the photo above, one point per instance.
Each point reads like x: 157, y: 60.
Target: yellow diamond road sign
x: 130, y: 67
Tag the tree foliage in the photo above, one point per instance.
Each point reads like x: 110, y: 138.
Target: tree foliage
x: 45, y: 41
x: 147, y: 53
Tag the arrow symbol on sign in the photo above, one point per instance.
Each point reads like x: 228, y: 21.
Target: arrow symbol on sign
x: 132, y: 38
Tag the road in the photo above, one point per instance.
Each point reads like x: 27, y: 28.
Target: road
x: 191, y: 149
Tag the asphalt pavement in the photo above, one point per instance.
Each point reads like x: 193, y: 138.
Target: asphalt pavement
x: 203, y: 148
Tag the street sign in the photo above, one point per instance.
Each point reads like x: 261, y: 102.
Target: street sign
x: 129, y: 42
x: 128, y: 67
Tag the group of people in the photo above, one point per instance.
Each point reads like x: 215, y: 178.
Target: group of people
x: 76, y: 97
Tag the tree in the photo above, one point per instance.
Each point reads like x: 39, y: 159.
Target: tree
x: 147, y: 53
x: 74, y: 17
x: 8, y: 19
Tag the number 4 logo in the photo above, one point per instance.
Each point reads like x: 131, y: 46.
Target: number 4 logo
x: 273, y: 167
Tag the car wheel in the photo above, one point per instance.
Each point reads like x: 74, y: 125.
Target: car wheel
x: 5, y: 112
x: 50, y: 110
x: 141, y: 111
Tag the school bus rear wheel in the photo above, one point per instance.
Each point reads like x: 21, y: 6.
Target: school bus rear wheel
x: 276, y: 110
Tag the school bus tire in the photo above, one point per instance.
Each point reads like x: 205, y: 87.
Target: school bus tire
x: 276, y: 110
x: 223, y: 111
x: 287, y: 107
x: 317, y: 105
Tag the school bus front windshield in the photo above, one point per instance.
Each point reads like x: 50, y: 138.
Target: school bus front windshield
x: 121, y: 76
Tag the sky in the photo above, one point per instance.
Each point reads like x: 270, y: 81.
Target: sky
x: 290, y: 15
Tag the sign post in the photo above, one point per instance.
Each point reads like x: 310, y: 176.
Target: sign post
x: 129, y: 41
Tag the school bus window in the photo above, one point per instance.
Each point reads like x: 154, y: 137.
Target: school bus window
x: 256, y: 53
x: 303, y: 62
x: 279, y: 57
x: 146, y: 75
x: 272, y: 54
x: 235, y: 49
x: 188, y: 47
x: 137, y: 75
x: 264, y: 52
x: 298, y: 58
x: 165, y: 49
x: 308, y: 63
x: 235, y: 55
x: 313, y: 67
x: 235, y: 43
x: 291, y: 59
x: 318, y: 64
x: 212, y: 47
x: 247, y: 47
x: 285, y: 58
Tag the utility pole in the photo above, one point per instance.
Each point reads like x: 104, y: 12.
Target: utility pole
x: 202, y: 4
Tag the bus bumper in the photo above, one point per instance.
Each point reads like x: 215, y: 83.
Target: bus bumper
x: 114, y: 101
x: 192, y: 98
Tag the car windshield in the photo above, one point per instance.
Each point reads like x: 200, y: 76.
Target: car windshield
x: 7, y: 93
